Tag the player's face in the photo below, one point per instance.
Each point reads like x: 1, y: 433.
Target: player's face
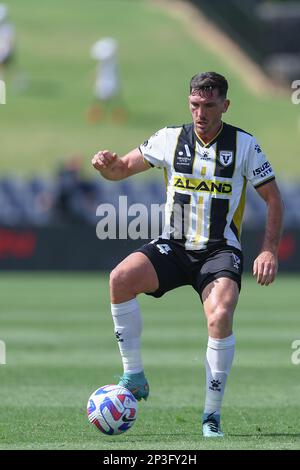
x: 207, y: 112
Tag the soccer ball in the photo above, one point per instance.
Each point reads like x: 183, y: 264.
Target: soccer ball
x: 112, y: 409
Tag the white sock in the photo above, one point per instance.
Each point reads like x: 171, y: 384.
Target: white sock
x: 218, y: 361
x: 128, y: 329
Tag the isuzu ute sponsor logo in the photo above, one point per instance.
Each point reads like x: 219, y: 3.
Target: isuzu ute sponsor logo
x: 263, y: 170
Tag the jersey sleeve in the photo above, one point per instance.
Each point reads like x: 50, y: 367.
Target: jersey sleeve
x: 154, y: 149
x: 258, y: 169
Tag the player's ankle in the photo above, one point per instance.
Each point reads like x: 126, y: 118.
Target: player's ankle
x: 136, y: 373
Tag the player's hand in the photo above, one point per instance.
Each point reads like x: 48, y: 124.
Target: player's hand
x: 265, y: 268
x: 104, y: 160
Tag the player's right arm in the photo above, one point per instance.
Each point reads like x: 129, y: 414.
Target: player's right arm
x: 113, y: 168
x: 259, y: 172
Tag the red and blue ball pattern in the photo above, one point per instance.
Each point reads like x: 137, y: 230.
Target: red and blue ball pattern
x: 112, y: 409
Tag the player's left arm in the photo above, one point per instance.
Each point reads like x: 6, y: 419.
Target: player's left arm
x: 266, y: 264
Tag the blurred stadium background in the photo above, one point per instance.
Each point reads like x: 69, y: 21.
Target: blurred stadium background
x: 49, y: 194
x: 48, y: 190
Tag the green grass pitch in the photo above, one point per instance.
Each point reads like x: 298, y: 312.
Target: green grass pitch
x: 60, y: 348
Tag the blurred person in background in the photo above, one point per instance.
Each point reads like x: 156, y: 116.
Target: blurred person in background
x: 207, y: 164
x: 7, y: 39
x: 68, y: 181
x: 107, y: 84
x: 77, y: 197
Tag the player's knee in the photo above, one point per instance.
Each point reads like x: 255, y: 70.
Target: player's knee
x: 221, y: 316
x: 118, y: 280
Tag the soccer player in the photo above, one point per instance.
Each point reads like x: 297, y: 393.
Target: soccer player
x: 207, y: 165
x: 107, y: 85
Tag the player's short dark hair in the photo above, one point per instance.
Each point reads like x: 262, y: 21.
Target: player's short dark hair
x: 206, y: 82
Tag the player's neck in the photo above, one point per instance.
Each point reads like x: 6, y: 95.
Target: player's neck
x: 208, y: 137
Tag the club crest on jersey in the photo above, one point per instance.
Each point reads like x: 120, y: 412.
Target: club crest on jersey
x: 226, y: 157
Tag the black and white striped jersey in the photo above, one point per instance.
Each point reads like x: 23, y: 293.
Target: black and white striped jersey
x: 206, y: 183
